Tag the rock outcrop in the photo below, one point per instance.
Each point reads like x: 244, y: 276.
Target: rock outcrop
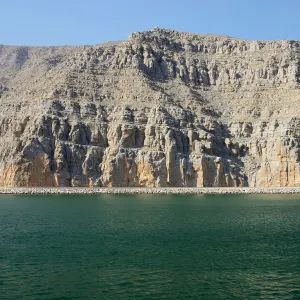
x: 162, y: 109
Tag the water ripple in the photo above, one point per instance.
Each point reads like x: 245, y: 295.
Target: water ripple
x: 149, y: 247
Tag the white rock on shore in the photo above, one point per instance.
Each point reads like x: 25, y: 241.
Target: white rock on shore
x: 83, y: 191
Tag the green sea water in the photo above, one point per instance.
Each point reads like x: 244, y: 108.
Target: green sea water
x: 150, y: 247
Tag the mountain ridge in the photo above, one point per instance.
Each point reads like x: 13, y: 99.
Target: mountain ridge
x: 164, y: 108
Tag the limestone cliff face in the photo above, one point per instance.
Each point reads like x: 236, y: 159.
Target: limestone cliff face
x: 88, y: 144
x: 164, y: 108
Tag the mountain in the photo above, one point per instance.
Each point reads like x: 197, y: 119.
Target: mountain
x: 164, y: 108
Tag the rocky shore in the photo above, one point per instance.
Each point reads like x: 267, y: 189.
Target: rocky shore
x: 131, y: 191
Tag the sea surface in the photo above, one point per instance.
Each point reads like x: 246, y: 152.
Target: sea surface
x: 150, y: 247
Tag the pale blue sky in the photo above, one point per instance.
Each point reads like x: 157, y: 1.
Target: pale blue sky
x: 78, y: 22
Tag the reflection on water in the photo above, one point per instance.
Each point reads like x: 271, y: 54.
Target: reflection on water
x: 150, y: 247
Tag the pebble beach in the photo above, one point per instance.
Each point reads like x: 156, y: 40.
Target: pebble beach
x: 132, y: 190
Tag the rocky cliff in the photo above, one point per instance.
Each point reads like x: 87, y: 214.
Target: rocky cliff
x: 163, y: 108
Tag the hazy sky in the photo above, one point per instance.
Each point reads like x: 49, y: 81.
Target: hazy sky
x: 77, y: 22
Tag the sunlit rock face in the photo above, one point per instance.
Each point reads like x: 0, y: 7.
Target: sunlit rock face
x: 164, y: 108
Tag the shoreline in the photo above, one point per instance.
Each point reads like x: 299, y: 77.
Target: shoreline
x: 138, y: 190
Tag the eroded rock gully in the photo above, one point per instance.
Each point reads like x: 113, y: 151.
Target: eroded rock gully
x: 162, y: 109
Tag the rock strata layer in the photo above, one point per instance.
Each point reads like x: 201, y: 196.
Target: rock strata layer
x: 162, y: 109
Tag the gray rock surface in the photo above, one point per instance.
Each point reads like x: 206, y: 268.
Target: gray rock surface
x: 162, y: 109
